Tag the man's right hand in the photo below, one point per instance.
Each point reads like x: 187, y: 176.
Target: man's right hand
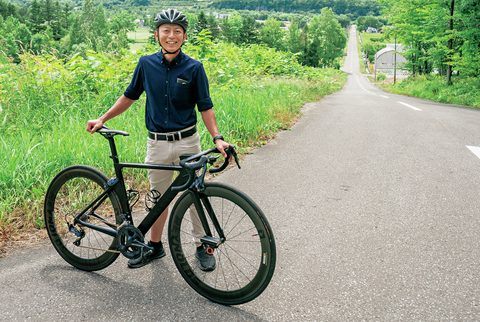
x: 94, y: 125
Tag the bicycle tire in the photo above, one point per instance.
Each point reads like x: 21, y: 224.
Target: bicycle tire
x: 72, y: 190
x: 246, y: 261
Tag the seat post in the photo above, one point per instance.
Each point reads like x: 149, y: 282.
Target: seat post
x: 113, y: 149
x: 120, y: 189
x: 114, y: 157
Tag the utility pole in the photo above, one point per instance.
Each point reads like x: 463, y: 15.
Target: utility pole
x: 395, y: 60
x: 450, y: 43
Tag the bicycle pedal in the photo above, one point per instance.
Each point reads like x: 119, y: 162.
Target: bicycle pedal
x: 211, y: 241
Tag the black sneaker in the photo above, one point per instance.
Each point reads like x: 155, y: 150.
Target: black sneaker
x: 206, y: 262
x: 158, y: 252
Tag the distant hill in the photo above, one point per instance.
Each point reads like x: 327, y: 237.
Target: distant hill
x: 353, y: 7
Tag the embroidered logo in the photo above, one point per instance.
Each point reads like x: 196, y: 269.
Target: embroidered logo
x: 181, y: 81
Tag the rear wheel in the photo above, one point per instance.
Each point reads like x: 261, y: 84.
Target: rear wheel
x: 245, y: 261
x: 70, y: 192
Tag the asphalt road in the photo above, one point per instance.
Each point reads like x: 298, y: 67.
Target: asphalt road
x: 373, y: 199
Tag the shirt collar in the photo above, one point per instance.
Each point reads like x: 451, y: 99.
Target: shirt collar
x: 177, y: 60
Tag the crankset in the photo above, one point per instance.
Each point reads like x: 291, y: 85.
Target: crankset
x: 130, y: 242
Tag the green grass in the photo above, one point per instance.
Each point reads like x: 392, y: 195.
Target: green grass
x: 140, y: 35
x: 463, y: 91
x: 366, y: 37
x: 139, y: 38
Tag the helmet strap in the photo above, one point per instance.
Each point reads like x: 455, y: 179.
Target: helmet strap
x: 170, y: 52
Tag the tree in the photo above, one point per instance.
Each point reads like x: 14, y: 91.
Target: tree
x: 441, y: 35
x: 327, y: 39
x: 467, y: 58
x: 213, y: 26
x: 249, y: 30
x: 15, y: 37
x: 231, y: 29
x: 36, y: 17
x: 119, y: 25
x: 450, y: 42
x: 141, y: 2
x: 90, y: 28
x: 202, y: 22
x: 7, y: 9
x: 295, y: 42
x: 272, y: 35
x: 353, y: 7
x: 368, y: 21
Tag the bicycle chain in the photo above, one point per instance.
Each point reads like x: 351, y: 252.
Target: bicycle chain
x: 100, y: 249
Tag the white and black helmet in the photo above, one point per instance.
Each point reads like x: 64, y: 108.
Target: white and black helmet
x: 171, y: 16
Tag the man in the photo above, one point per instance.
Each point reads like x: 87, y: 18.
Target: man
x: 174, y: 83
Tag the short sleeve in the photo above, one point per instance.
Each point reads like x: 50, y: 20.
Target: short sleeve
x: 135, y: 89
x: 204, y: 102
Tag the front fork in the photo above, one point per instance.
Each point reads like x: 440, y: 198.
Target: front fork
x: 209, y: 241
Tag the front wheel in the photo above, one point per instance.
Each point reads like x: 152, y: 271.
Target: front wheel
x: 70, y: 193
x: 245, y: 260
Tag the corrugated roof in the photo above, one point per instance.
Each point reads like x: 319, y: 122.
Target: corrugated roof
x: 383, y: 51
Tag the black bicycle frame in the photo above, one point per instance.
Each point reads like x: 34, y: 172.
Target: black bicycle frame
x: 118, y: 186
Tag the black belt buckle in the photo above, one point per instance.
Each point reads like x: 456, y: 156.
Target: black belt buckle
x: 170, y: 137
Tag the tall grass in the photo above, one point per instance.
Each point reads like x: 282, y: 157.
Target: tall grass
x: 463, y: 91
x: 45, y: 104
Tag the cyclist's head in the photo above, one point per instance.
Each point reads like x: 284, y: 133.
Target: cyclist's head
x: 171, y: 16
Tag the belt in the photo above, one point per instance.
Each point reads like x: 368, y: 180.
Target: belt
x: 172, y: 136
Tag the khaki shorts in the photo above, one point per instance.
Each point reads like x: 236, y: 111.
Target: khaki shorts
x: 169, y: 152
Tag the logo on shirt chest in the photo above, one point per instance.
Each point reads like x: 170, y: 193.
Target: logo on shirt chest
x: 182, y: 81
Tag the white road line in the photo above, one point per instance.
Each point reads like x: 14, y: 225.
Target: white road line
x: 410, y: 106
x: 475, y: 150
x: 357, y: 78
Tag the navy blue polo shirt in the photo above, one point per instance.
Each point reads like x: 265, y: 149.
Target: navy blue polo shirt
x: 173, y: 89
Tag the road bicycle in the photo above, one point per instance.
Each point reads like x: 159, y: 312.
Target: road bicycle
x: 89, y: 221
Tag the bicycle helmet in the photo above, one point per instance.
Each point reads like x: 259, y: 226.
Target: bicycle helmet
x: 171, y: 16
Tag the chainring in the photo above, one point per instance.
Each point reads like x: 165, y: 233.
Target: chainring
x: 129, y: 241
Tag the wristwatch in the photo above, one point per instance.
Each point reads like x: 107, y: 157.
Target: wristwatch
x: 217, y: 137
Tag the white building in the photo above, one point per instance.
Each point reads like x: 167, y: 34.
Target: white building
x: 385, y: 61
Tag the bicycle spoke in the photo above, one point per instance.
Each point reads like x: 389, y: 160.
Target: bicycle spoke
x: 236, y: 225
x: 232, y: 238
x: 231, y: 264
x: 239, y: 254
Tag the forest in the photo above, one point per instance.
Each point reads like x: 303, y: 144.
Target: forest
x: 48, y: 26
x: 442, y: 46
x: 350, y: 7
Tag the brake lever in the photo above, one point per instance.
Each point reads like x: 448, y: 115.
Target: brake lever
x: 230, y: 152
x: 235, y: 157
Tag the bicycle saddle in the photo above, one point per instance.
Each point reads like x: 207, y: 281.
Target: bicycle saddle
x: 111, y: 132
